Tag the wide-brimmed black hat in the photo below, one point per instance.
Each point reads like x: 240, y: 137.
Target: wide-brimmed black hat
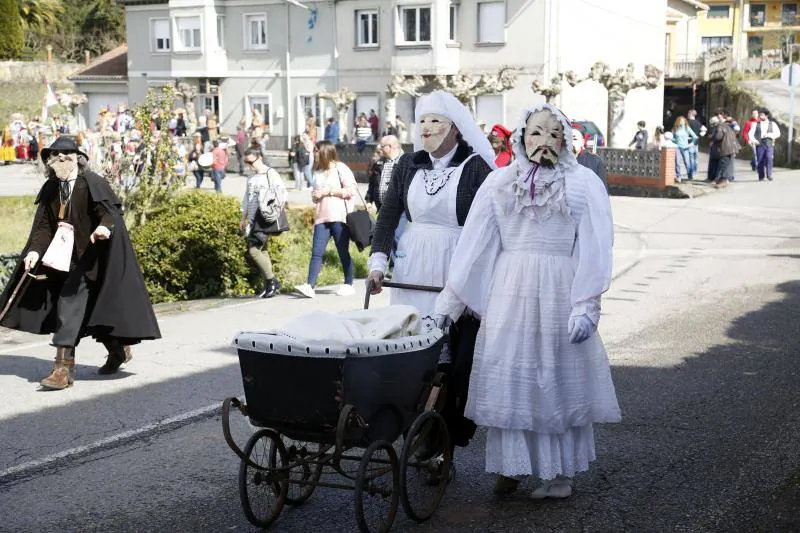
x: 62, y: 145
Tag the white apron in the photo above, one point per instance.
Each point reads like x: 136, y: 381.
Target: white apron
x: 427, y: 244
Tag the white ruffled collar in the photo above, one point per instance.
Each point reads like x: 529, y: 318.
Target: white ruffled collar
x: 540, y: 192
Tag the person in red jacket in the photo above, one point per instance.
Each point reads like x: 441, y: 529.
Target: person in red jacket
x: 500, y: 139
x: 746, y: 134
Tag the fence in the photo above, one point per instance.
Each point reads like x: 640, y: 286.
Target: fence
x: 640, y: 168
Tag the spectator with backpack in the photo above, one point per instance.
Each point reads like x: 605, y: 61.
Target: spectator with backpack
x: 263, y: 215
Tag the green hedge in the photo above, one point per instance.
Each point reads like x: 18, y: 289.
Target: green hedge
x: 192, y: 249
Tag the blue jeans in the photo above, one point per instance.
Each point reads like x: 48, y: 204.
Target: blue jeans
x: 683, y: 162
x: 218, y: 176
x: 341, y: 237
x: 199, y: 174
x: 766, y: 154
x: 693, y: 149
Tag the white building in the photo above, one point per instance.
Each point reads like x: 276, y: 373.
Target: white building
x: 278, y: 56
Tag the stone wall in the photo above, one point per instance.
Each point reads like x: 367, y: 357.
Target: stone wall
x: 32, y: 71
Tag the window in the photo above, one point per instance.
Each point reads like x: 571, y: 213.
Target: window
x: 755, y: 46
x: 262, y: 103
x: 366, y: 28
x: 255, y: 32
x: 453, y: 36
x: 159, y: 35
x: 415, y: 24
x: 789, y: 14
x: 709, y: 43
x: 719, y: 12
x: 492, y: 22
x: 758, y: 14
x: 490, y: 109
x: 221, y: 32
x: 188, y: 30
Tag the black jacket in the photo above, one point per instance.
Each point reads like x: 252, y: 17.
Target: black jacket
x: 394, y: 202
x: 119, y: 305
x: 594, y: 163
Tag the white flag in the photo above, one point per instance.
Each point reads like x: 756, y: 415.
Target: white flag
x: 50, y: 98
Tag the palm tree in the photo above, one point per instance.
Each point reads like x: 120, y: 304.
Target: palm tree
x: 38, y: 15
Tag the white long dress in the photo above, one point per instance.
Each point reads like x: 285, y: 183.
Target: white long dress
x: 429, y: 240
x: 526, y: 265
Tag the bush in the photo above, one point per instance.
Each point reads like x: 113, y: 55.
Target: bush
x: 192, y: 249
x: 13, y: 39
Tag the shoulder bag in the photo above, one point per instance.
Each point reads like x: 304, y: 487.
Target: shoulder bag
x: 359, y: 222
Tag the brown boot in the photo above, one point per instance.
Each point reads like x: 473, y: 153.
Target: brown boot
x: 117, y: 356
x: 63, y: 374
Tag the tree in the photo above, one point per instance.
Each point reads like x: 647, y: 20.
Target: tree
x: 146, y: 180
x: 13, y: 39
x: 38, y: 15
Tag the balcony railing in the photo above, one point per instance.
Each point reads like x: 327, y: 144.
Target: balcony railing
x: 713, y: 65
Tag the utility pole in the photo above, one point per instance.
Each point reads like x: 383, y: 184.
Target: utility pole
x: 738, y: 50
x: 289, y: 121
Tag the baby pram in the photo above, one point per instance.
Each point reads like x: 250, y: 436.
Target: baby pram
x: 319, y: 406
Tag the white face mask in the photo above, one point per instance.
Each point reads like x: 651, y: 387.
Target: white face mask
x: 577, y: 142
x: 434, y: 129
x: 65, y: 166
x: 544, y: 138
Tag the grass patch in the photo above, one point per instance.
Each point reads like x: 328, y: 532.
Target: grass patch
x: 16, y: 217
x: 26, y: 97
x: 292, y: 265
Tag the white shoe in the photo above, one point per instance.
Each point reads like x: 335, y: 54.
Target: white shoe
x: 345, y: 290
x: 558, y: 488
x: 306, y: 290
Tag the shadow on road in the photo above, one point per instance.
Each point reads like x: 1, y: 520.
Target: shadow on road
x: 708, y: 445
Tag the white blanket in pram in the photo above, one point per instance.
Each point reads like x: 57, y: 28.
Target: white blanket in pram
x: 390, y: 322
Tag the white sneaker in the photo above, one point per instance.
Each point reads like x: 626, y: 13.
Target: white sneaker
x: 306, y: 290
x: 558, y: 488
x: 345, y: 290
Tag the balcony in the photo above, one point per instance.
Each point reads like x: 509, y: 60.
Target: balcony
x: 713, y: 65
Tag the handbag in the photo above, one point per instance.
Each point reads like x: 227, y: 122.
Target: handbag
x: 260, y: 229
x: 359, y: 222
x: 269, y: 206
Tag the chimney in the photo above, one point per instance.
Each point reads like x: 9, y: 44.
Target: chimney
x: 87, y: 56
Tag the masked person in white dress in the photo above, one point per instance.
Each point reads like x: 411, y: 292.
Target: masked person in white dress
x: 533, y: 259
x: 434, y: 188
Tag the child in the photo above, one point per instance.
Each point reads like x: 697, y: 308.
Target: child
x: 639, y: 141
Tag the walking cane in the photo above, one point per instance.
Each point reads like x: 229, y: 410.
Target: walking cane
x: 393, y: 284
x: 21, y: 285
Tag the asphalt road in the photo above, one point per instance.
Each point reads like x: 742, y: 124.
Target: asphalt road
x: 702, y: 332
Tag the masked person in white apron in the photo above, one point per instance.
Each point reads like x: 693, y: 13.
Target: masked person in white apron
x: 533, y: 260
x: 93, y: 283
x: 434, y: 187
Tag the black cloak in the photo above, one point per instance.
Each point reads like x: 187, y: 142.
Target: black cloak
x: 119, y: 306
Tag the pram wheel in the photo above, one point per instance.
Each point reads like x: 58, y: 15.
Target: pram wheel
x: 377, y: 488
x: 263, y: 492
x: 425, y: 466
x: 304, y: 458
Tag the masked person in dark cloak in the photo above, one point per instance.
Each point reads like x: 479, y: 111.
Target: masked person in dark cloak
x: 93, y: 284
x: 434, y: 187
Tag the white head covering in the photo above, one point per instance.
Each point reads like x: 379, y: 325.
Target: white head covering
x: 566, y: 158
x: 445, y: 104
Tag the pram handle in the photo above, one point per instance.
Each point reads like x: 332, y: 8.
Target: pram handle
x: 395, y: 285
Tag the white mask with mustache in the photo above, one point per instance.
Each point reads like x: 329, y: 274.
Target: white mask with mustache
x: 433, y: 129
x: 544, y: 138
x: 65, y: 166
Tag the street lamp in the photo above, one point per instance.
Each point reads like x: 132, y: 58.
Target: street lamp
x: 289, y: 113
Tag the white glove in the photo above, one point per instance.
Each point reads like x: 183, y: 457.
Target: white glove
x: 30, y: 260
x: 376, y: 278
x: 580, y: 328
x: 101, y: 233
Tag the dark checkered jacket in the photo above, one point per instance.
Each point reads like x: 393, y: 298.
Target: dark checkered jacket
x: 394, y: 202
